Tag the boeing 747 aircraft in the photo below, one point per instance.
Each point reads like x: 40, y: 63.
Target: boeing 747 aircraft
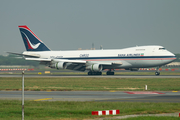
x: 95, y: 61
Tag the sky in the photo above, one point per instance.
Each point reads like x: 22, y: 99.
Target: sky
x: 73, y: 24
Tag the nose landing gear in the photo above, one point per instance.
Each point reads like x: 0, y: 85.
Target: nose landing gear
x: 157, y: 71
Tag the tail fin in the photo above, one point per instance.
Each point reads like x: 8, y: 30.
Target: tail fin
x: 31, y: 41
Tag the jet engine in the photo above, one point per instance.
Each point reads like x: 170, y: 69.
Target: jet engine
x: 95, y: 67
x: 59, y: 65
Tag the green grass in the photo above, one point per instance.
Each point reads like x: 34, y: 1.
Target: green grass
x: 153, y: 118
x: 58, y: 110
x: 91, y: 84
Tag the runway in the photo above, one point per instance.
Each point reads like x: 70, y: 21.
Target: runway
x: 112, y: 96
x: 96, y: 76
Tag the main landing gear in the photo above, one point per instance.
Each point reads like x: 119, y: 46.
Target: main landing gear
x: 100, y: 73
x: 94, y: 73
x: 157, y: 71
x: 109, y: 72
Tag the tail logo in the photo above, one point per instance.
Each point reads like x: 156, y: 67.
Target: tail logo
x: 31, y: 45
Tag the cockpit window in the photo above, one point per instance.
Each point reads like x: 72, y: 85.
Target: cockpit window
x: 162, y: 48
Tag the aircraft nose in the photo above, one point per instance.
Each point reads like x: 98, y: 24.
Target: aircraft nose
x: 173, y: 55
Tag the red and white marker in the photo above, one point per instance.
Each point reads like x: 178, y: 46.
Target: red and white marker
x: 106, y: 112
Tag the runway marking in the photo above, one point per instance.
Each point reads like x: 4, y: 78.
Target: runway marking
x: 112, y: 91
x: 136, y: 99
x: 48, y: 91
x: 43, y: 99
x: 174, y: 91
x: 144, y: 93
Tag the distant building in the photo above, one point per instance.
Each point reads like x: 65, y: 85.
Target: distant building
x: 92, y: 48
x: 173, y: 64
x: 79, y: 48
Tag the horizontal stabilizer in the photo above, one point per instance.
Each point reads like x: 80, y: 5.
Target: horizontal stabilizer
x: 25, y: 55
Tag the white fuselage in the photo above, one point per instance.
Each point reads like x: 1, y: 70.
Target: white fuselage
x: 133, y: 57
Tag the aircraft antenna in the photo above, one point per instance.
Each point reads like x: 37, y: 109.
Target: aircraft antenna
x: 93, y: 46
x: 101, y: 47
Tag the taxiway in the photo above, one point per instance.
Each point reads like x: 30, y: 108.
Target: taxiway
x: 93, y: 96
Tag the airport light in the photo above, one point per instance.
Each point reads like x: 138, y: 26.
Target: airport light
x: 145, y: 87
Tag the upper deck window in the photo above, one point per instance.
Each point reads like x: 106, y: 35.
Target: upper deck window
x: 162, y: 48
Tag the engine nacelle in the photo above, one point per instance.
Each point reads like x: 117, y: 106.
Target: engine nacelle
x: 95, y: 67
x: 59, y: 65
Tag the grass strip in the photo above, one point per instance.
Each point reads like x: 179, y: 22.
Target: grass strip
x: 58, y: 110
x: 91, y: 84
x: 152, y: 118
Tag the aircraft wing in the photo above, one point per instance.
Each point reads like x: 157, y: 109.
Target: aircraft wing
x: 56, y: 60
x: 79, y: 65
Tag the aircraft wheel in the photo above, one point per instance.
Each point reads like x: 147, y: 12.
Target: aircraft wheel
x: 89, y: 73
x: 98, y: 73
x: 94, y: 73
x: 109, y: 73
x: 157, y: 73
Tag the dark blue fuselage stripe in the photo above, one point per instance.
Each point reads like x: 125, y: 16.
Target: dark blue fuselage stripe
x: 139, y: 57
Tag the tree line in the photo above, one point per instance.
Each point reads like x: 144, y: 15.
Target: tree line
x: 177, y: 58
x: 14, y: 60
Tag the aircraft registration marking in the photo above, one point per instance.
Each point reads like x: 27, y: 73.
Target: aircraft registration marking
x: 84, y: 55
x: 131, y: 54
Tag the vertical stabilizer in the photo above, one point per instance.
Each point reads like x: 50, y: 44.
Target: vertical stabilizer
x: 31, y: 41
